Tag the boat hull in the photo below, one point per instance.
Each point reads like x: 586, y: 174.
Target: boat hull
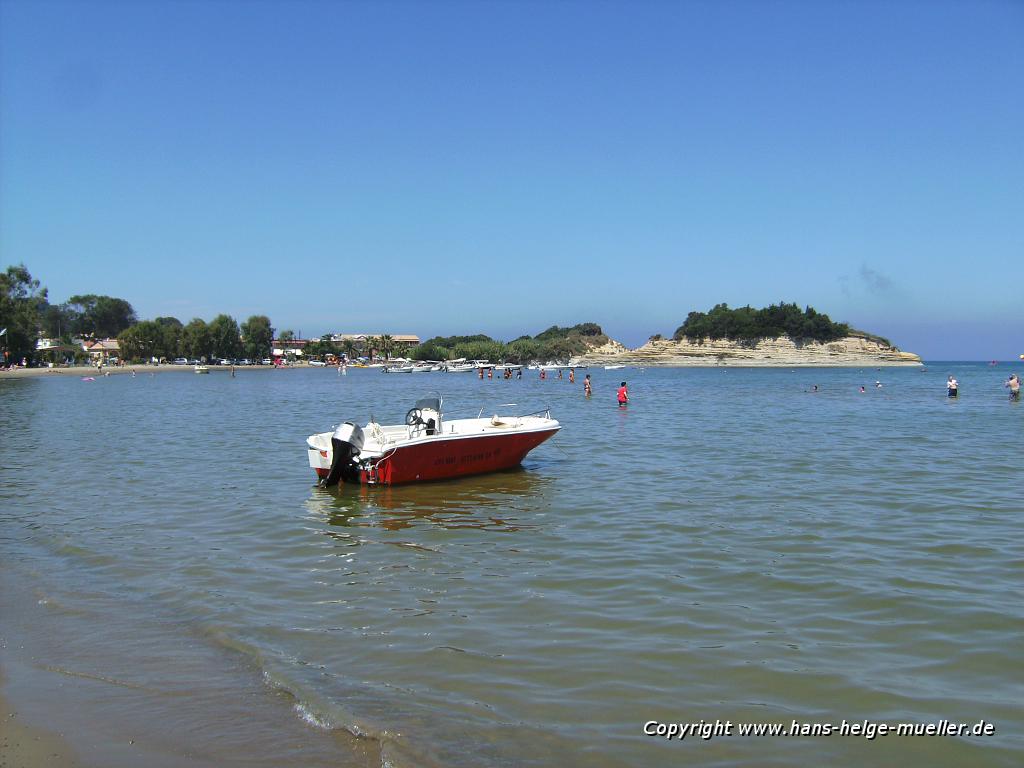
x: 445, y: 457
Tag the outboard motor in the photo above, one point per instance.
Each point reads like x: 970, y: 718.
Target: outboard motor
x: 347, y: 442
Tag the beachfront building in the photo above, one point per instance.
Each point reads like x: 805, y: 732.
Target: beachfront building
x: 369, y: 343
x: 101, y: 350
x: 296, y: 347
x: 54, y: 351
x: 406, y: 340
x: 400, y: 340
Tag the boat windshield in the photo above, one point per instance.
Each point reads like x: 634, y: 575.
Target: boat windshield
x: 434, y: 403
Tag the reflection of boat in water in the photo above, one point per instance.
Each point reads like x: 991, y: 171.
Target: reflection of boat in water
x: 505, y: 501
x: 426, y: 446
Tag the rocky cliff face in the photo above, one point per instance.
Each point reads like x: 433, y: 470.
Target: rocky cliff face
x: 782, y: 352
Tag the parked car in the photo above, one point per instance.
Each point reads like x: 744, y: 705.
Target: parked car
x: 180, y: 361
x: 266, y: 361
x: 245, y: 361
x: 227, y: 361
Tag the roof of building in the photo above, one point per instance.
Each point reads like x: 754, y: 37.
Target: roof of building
x: 101, y: 345
x: 399, y: 337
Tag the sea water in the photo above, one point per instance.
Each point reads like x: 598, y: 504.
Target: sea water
x: 732, y: 550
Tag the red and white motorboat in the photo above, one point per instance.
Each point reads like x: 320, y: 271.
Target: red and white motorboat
x: 425, y: 447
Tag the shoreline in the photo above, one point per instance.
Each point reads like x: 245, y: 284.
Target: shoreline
x: 28, y: 745
x: 743, y: 363
x: 75, y: 693
x: 91, y: 370
x: 82, y: 371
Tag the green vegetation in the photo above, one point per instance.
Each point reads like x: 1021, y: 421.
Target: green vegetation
x: 167, y: 338
x: 553, y: 344
x: 257, y: 337
x: 90, y: 316
x: 27, y: 315
x: 22, y: 306
x: 751, y: 325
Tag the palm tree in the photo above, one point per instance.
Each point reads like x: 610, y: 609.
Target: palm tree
x: 372, y: 345
x: 349, y: 348
x: 387, y: 345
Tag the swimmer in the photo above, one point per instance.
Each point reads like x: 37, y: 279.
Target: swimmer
x: 623, y: 395
x: 878, y: 385
x: 952, y: 387
x: 1014, y: 384
x: 587, y: 391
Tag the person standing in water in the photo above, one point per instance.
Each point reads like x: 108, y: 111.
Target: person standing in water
x: 623, y: 395
x: 587, y: 390
x: 952, y: 387
x: 1014, y: 384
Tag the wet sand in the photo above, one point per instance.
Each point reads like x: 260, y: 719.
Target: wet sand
x: 117, y: 689
x: 26, y: 746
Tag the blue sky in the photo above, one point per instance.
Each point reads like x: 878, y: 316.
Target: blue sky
x: 499, y: 167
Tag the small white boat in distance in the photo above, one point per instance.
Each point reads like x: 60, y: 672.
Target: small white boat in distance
x: 613, y: 367
x: 201, y: 368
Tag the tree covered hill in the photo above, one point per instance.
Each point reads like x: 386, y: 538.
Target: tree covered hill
x: 555, y: 343
x: 747, y: 324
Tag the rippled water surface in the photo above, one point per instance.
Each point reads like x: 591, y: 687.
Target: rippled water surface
x: 731, y: 546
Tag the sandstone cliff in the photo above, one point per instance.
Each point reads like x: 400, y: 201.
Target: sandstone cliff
x: 782, y: 352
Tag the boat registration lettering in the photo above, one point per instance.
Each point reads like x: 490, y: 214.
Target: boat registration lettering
x: 468, y: 458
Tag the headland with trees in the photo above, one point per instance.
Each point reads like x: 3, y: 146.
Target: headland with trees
x: 27, y: 314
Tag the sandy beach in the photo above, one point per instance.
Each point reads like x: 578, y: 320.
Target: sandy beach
x: 91, y: 370
x: 26, y: 746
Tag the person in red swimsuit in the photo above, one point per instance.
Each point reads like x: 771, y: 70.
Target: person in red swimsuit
x: 623, y: 395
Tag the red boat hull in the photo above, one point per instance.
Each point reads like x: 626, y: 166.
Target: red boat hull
x: 445, y: 458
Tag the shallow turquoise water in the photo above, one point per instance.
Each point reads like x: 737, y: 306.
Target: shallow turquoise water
x: 729, y: 547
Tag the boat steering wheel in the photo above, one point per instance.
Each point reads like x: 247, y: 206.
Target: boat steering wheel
x: 414, y: 417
